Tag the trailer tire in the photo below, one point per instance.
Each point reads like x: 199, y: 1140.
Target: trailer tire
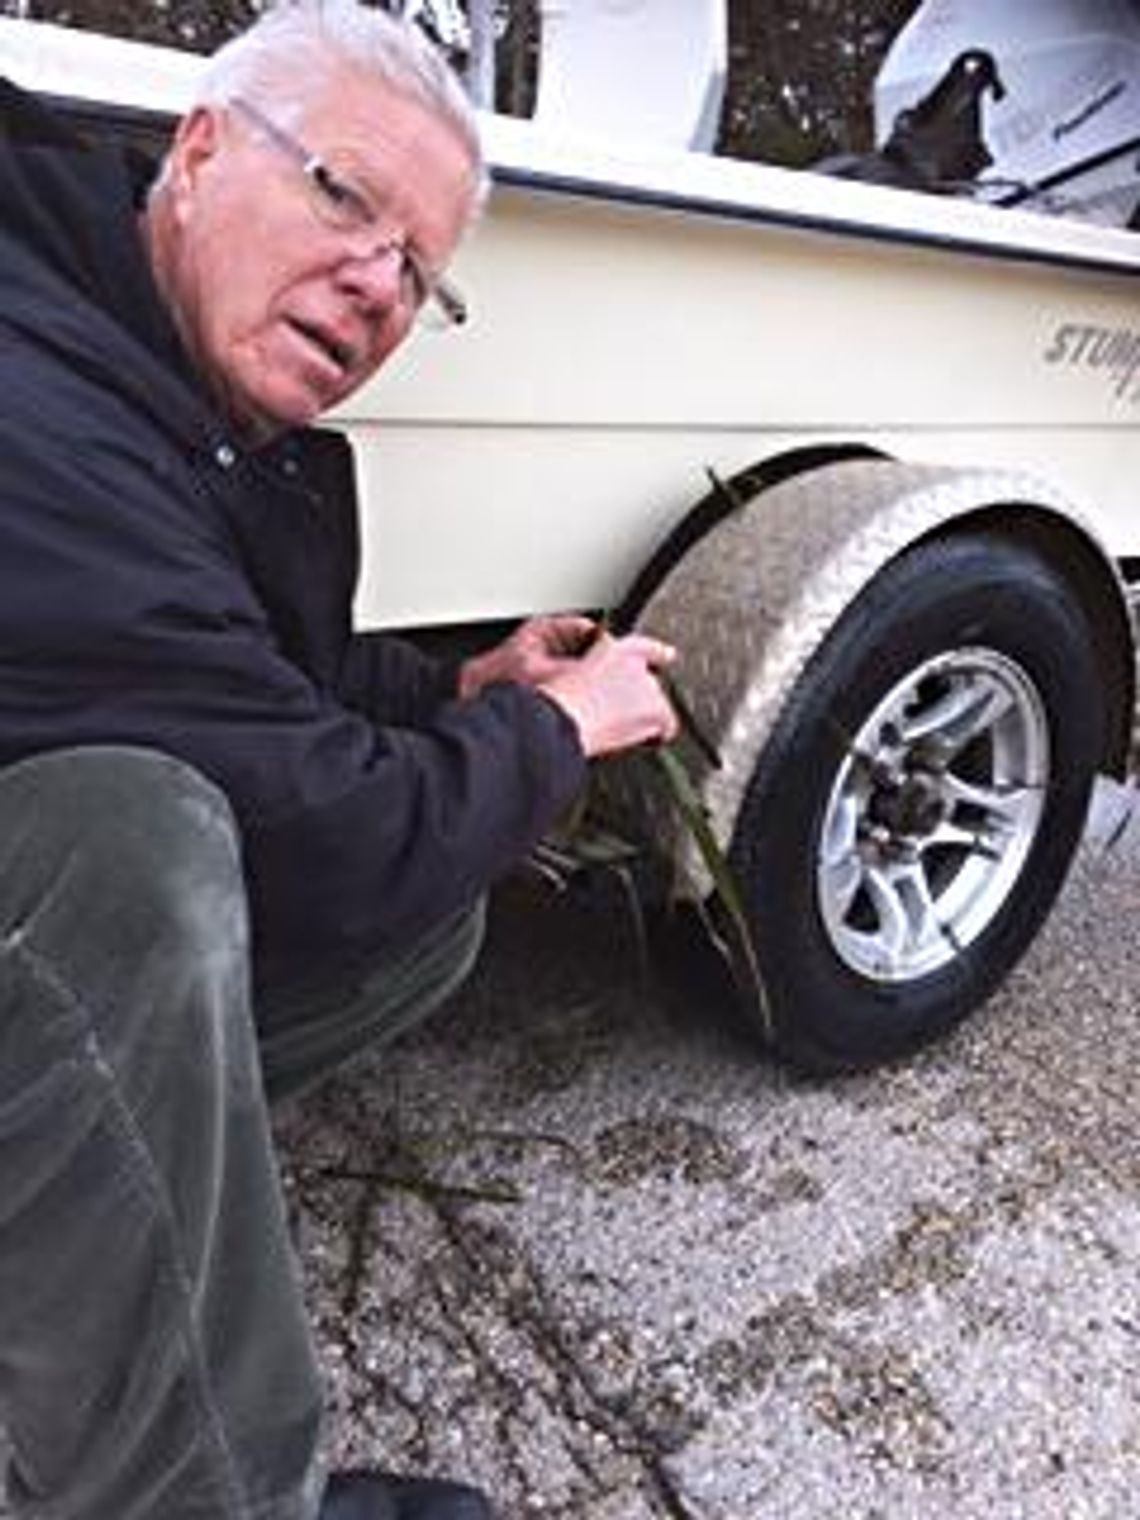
x: 957, y: 698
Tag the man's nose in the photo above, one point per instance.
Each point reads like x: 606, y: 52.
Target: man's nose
x: 376, y: 276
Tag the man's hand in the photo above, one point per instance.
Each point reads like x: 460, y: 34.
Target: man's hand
x: 606, y: 686
x: 537, y: 652
x: 613, y: 695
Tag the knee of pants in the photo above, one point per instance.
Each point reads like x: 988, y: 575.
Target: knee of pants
x: 472, y: 935
x: 113, y: 860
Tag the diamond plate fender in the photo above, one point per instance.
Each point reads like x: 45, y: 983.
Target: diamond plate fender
x: 750, y: 604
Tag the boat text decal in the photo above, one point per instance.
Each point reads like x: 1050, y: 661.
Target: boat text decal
x: 1113, y: 351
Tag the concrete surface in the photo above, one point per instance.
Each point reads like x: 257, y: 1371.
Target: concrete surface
x: 603, y: 1261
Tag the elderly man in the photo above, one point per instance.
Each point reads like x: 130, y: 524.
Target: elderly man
x: 188, y: 729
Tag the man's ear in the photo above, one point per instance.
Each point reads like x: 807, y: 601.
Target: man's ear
x: 196, y: 145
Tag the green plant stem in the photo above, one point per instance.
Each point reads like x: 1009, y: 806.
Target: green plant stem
x: 686, y: 801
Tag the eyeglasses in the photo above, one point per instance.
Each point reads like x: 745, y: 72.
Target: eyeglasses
x: 338, y: 198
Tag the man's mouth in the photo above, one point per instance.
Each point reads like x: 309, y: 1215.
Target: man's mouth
x: 339, y: 353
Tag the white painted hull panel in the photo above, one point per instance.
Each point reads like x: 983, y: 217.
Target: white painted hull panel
x: 615, y: 352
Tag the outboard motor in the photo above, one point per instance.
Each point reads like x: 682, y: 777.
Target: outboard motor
x: 1063, y: 134
x: 634, y: 71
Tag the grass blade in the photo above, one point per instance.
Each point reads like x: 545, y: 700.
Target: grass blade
x: 690, y: 809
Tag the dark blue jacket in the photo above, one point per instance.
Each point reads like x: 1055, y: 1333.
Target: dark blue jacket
x: 162, y: 586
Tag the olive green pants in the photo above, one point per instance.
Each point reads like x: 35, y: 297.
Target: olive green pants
x: 156, y: 1361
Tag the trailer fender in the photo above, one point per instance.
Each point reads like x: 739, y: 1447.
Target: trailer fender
x: 750, y: 603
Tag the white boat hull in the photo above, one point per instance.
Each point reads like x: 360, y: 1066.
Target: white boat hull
x: 617, y: 351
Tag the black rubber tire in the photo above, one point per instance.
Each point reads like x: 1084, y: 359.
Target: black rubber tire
x: 979, y: 591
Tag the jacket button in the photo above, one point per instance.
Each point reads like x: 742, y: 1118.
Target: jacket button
x: 225, y: 456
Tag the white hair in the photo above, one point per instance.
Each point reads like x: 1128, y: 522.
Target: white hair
x: 277, y: 63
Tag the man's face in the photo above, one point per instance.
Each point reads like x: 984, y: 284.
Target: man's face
x: 283, y: 313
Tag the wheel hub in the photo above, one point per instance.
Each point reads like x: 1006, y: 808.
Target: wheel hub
x: 908, y: 809
x: 932, y: 814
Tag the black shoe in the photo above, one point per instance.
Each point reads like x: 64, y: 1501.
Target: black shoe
x: 365, y: 1495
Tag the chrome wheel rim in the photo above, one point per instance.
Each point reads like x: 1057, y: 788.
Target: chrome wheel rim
x: 932, y: 814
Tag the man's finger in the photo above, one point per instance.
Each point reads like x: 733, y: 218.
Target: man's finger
x: 655, y: 652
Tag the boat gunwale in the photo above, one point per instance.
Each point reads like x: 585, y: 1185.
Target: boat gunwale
x: 915, y: 233
x: 523, y: 156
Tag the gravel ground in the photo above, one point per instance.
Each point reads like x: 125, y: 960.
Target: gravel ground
x: 597, y: 1257
x: 578, y: 1245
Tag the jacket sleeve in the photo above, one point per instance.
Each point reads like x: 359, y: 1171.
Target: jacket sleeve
x: 393, y: 828
x: 392, y: 682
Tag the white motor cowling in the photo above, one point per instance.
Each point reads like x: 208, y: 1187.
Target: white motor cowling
x: 634, y: 70
x: 1063, y: 133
